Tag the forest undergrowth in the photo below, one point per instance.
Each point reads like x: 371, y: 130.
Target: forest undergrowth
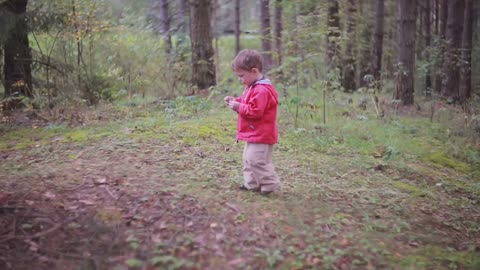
x: 155, y: 186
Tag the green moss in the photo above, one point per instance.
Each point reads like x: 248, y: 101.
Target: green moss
x: 193, y: 132
x: 469, y: 187
x: 442, y: 160
x: 23, y: 144
x: 435, y: 257
x: 16, y: 138
x: 79, y: 135
x: 414, y: 190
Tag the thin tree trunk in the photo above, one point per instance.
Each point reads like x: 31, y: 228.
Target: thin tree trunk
x: 364, y: 64
x: 349, y: 63
x: 79, y: 43
x: 203, y: 66
x: 17, y: 53
x: 184, y: 15
x: 266, y: 37
x: 436, y: 4
x: 378, y: 50
x: 217, y: 48
x: 466, y: 67
x: 451, y: 65
x: 428, y: 40
x: 333, y: 25
x: 278, y: 30
x: 237, y: 26
x: 389, y: 53
x: 165, y: 17
x: 442, y: 28
x: 404, y: 85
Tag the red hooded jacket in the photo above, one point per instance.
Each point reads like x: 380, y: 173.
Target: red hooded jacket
x: 257, y: 114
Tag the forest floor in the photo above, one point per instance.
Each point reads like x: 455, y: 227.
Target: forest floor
x: 158, y: 192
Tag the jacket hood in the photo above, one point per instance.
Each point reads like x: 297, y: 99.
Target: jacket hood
x: 266, y: 81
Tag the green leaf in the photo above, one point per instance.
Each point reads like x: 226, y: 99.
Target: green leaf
x: 162, y: 260
x: 134, y: 263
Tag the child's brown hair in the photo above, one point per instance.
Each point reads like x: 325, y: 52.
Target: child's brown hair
x: 247, y: 60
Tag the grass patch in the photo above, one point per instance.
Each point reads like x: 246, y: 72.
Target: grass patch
x: 435, y: 257
x: 441, y: 160
x: 411, y: 189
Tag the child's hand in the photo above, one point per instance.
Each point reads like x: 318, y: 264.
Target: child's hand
x: 234, y: 105
x: 228, y: 99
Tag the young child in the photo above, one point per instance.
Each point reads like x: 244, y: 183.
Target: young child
x: 257, y: 122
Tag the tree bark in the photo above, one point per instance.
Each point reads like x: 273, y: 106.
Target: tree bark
x: 266, y: 37
x: 349, y: 62
x: 278, y: 30
x: 237, y: 26
x: 428, y: 40
x: 165, y: 18
x: 451, y: 64
x: 436, y: 4
x: 378, y: 49
x: 365, y: 29
x: 443, y: 16
x: 333, y: 34
x: 203, y: 66
x: 216, y: 36
x: 466, y: 66
x: 184, y: 15
x: 17, y: 53
x: 404, y: 84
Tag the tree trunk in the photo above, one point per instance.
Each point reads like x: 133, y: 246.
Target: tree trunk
x: 165, y: 18
x: 451, y: 65
x: 184, y: 16
x: 203, y: 66
x: 349, y: 63
x: 404, y: 85
x: 378, y: 49
x: 333, y: 34
x: 466, y: 67
x: 443, y: 16
x: 266, y: 37
x: 278, y: 30
x: 437, y: 14
x: 428, y: 41
x: 237, y: 26
x: 17, y: 53
x: 366, y: 27
x: 216, y: 36
x: 389, y: 53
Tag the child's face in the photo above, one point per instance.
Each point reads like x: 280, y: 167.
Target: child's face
x: 247, y: 76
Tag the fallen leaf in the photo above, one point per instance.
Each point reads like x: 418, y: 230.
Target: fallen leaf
x: 232, y: 206
x: 100, y: 181
x: 344, y: 242
x: 156, y: 238
x: 236, y: 262
x: 58, y: 138
x: 161, y: 225
x: 49, y: 195
x: 413, y: 244
x: 87, y: 202
x: 29, y: 202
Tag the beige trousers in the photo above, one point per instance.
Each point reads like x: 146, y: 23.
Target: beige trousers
x: 258, y: 170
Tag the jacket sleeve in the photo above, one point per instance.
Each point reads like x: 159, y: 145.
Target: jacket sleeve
x: 255, y: 105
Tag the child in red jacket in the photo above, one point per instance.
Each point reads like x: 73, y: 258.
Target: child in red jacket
x: 257, y: 122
